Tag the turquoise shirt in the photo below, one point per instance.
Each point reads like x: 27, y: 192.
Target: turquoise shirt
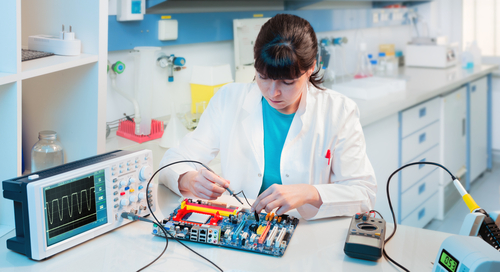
x: 276, y: 126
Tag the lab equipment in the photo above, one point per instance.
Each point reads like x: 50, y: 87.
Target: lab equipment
x: 28, y: 54
x: 130, y: 10
x: 365, y: 237
x: 464, y: 253
x: 168, y: 62
x: 66, y: 44
x: 116, y: 69
x: 145, y: 60
x: 224, y: 225
x: 62, y: 207
x: 433, y: 56
x: 47, y: 152
x: 364, y: 68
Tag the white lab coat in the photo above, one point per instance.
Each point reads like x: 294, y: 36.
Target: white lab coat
x: 325, y: 120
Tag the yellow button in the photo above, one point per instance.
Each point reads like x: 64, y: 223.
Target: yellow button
x: 132, y: 190
x: 378, y: 234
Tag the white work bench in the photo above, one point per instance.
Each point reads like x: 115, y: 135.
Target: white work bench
x: 315, y: 246
x: 422, y: 84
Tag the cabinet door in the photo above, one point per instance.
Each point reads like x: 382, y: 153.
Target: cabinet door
x: 478, y: 128
x: 453, y: 133
x: 382, y: 149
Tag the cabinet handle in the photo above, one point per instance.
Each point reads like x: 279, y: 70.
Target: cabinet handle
x: 421, y: 213
x: 473, y: 88
x: 422, y: 112
x: 420, y: 166
x: 421, y: 138
x: 463, y: 127
x: 421, y: 189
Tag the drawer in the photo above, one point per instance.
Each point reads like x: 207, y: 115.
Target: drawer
x: 417, y: 194
x: 419, y: 116
x: 414, y: 173
x: 420, y: 141
x: 423, y: 214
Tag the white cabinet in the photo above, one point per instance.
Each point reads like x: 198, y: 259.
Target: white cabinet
x: 64, y: 94
x: 453, y: 147
x: 419, y: 142
x: 382, y: 150
x: 478, y: 155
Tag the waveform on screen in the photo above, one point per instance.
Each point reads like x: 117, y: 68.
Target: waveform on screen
x: 70, y: 201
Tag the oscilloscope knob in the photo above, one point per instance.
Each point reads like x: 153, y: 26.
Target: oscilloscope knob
x: 133, y: 198
x: 142, y: 195
x: 131, y: 180
x: 145, y: 173
x: 123, y: 183
x: 124, y: 202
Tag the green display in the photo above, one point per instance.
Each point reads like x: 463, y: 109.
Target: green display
x: 448, y: 261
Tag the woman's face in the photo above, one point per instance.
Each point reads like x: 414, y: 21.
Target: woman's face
x: 283, y: 94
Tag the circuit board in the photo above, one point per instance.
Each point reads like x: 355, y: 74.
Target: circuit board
x: 219, y: 224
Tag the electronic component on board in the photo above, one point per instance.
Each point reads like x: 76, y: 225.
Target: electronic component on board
x: 228, y: 226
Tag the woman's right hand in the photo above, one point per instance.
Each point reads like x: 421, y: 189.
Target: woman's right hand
x: 203, y: 184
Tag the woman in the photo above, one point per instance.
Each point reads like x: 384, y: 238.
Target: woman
x: 283, y: 140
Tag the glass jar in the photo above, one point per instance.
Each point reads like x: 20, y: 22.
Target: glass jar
x: 47, y: 152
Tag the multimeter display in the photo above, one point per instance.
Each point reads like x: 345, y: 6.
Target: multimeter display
x: 74, y: 206
x: 448, y: 261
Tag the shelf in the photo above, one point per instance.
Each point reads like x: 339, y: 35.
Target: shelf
x: 6, y: 78
x: 42, y: 66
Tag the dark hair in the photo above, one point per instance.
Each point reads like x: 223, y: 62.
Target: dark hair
x: 286, y: 47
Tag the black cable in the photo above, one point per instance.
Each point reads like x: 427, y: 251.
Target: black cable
x: 158, y: 221
x: 241, y: 192
x: 392, y: 210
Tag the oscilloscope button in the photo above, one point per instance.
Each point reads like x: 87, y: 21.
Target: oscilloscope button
x: 128, y: 163
x: 126, y: 188
x: 136, y: 161
x: 140, y: 187
x: 122, y: 193
x: 115, y: 193
x: 121, y: 165
x: 115, y: 187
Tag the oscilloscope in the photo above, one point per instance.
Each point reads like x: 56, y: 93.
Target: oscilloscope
x: 61, y: 207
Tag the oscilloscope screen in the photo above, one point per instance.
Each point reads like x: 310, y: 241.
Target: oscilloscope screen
x: 74, y: 206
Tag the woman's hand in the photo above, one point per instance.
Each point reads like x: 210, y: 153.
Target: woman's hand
x: 286, y: 197
x: 203, y: 184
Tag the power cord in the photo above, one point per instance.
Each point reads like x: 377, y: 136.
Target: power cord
x: 392, y: 210
x: 161, y: 226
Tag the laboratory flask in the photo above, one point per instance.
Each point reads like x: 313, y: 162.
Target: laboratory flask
x: 364, y: 68
x: 47, y: 152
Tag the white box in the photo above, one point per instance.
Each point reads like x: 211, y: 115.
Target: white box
x: 167, y: 30
x: 130, y: 10
x: 433, y: 56
x: 55, y: 45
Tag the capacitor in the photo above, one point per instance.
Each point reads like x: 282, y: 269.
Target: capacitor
x: 177, y: 228
x: 186, y: 230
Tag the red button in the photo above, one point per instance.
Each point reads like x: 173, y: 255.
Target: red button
x: 122, y: 193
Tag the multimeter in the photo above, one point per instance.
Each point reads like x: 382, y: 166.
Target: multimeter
x: 365, y: 238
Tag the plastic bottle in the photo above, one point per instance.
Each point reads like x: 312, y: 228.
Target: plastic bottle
x: 47, y: 152
x: 381, y: 62
x: 364, y: 67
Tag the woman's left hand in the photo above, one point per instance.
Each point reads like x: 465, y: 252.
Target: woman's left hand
x: 286, y: 197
